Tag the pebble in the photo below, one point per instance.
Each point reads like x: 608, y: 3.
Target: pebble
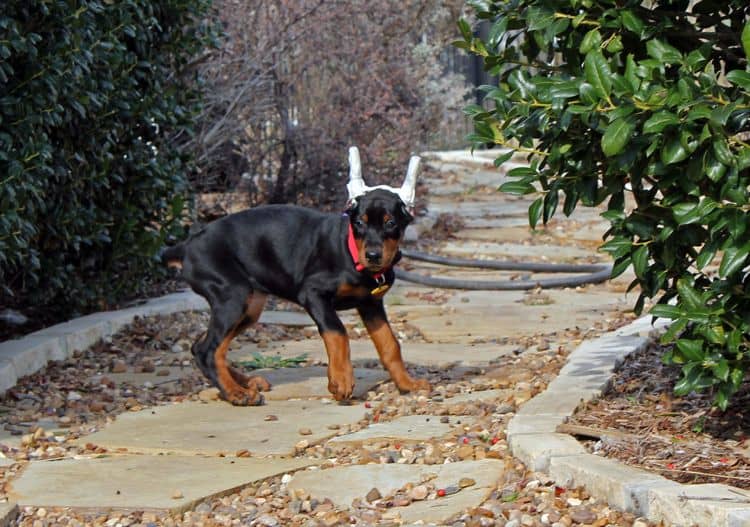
x: 301, y: 445
x: 267, y: 521
x: 583, y: 515
x: 270, y: 417
x: 419, y: 492
x: 640, y: 522
x: 373, y: 495
x: 74, y: 396
x: 466, y: 482
x: 118, y: 366
x: 573, y: 502
x: 209, y: 394
x: 177, y: 494
x: 513, y: 523
x: 305, y: 432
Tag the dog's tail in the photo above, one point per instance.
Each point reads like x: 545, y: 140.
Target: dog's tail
x: 173, y: 256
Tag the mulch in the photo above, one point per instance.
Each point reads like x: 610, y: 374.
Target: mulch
x: 685, y: 439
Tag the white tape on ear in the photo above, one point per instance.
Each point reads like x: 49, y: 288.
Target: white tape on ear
x: 357, y: 187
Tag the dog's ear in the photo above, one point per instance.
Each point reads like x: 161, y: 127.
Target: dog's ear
x: 352, y: 208
x: 405, y: 213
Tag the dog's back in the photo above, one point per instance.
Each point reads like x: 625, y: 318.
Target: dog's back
x: 272, y: 248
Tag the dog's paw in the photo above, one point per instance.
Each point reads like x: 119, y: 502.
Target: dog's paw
x: 341, y: 386
x: 415, y: 385
x: 261, y: 383
x: 244, y: 397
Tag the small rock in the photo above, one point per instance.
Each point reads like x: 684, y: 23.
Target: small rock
x: 303, y: 444
x: 373, y: 495
x: 148, y: 366
x: 74, y: 396
x: 242, y: 453
x: 209, y: 394
x: 333, y: 427
x: 466, y: 482
x: 419, y: 493
x: 451, y: 489
x: 527, y: 520
x: 640, y: 522
x: 573, y: 502
x: 444, y: 419
x: 465, y: 452
x: 267, y: 521
x: 513, y: 523
x: 177, y: 494
x: 305, y: 432
x: 162, y: 373
x: 118, y: 366
x: 583, y: 515
x: 270, y: 417
x: 42, y: 512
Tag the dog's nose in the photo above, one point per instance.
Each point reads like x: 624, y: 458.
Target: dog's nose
x: 373, y: 256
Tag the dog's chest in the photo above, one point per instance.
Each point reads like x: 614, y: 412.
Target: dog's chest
x: 348, y: 291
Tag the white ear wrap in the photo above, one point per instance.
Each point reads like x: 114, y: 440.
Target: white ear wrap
x: 407, y: 190
x: 356, y: 185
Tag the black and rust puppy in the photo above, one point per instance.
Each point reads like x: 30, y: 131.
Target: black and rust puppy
x: 324, y: 262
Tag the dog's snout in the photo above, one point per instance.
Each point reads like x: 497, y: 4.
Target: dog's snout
x: 373, y: 256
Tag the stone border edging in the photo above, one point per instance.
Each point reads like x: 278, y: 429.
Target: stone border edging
x: 24, y: 356
x: 586, y: 375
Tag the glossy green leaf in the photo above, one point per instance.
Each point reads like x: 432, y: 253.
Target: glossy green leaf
x: 733, y: 260
x: 659, y: 121
x: 745, y: 38
x: 598, y: 73
x: 535, y: 211
x: 617, y: 135
x: 740, y: 78
x: 691, y: 349
x: 631, y: 22
x: 591, y: 41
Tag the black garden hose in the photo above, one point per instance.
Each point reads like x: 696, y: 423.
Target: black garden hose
x: 595, y: 273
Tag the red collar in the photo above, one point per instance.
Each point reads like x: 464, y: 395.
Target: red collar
x: 379, y: 278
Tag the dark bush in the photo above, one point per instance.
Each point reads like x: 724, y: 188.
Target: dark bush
x: 92, y: 94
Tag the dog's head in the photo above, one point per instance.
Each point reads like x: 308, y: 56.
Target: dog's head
x: 379, y: 215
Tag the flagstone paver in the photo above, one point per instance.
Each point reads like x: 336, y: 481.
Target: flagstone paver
x: 406, y: 428
x: 344, y: 484
x: 134, y: 482
x: 210, y: 428
x: 426, y: 354
x: 294, y: 383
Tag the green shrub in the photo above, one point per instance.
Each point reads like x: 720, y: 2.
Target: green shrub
x: 91, y: 95
x: 614, y: 98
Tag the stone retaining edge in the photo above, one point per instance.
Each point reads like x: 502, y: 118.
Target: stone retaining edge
x: 24, y: 356
x: 586, y: 375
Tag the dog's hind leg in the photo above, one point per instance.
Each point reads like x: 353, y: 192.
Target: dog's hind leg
x: 228, y: 317
x: 253, y: 307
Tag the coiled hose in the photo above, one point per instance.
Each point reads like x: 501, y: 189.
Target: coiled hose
x: 595, y: 273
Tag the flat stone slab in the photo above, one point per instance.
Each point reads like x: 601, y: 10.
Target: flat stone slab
x: 406, y: 428
x: 444, y: 355
x: 343, y: 484
x: 210, y: 428
x: 479, y: 396
x: 140, y: 482
x: 312, y: 381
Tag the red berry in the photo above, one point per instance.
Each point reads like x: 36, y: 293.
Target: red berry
x: 466, y: 440
x: 495, y: 440
x: 441, y: 492
x: 367, y: 404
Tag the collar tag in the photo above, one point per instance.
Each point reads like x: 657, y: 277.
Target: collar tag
x: 380, y: 290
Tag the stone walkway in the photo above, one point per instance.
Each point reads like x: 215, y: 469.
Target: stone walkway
x: 169, y: 459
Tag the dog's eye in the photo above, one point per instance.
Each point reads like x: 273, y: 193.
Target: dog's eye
x: 359, y: 223
x: 390, y: 224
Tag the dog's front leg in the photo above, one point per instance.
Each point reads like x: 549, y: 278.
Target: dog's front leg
x: 375, y: 320
x: 340, y: 371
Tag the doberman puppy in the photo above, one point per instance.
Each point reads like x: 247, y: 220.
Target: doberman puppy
x: 324, y: 262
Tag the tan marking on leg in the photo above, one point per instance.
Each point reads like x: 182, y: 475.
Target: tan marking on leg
x: 233, y: 392
x: 389, y: 351
x: 340, y: 371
